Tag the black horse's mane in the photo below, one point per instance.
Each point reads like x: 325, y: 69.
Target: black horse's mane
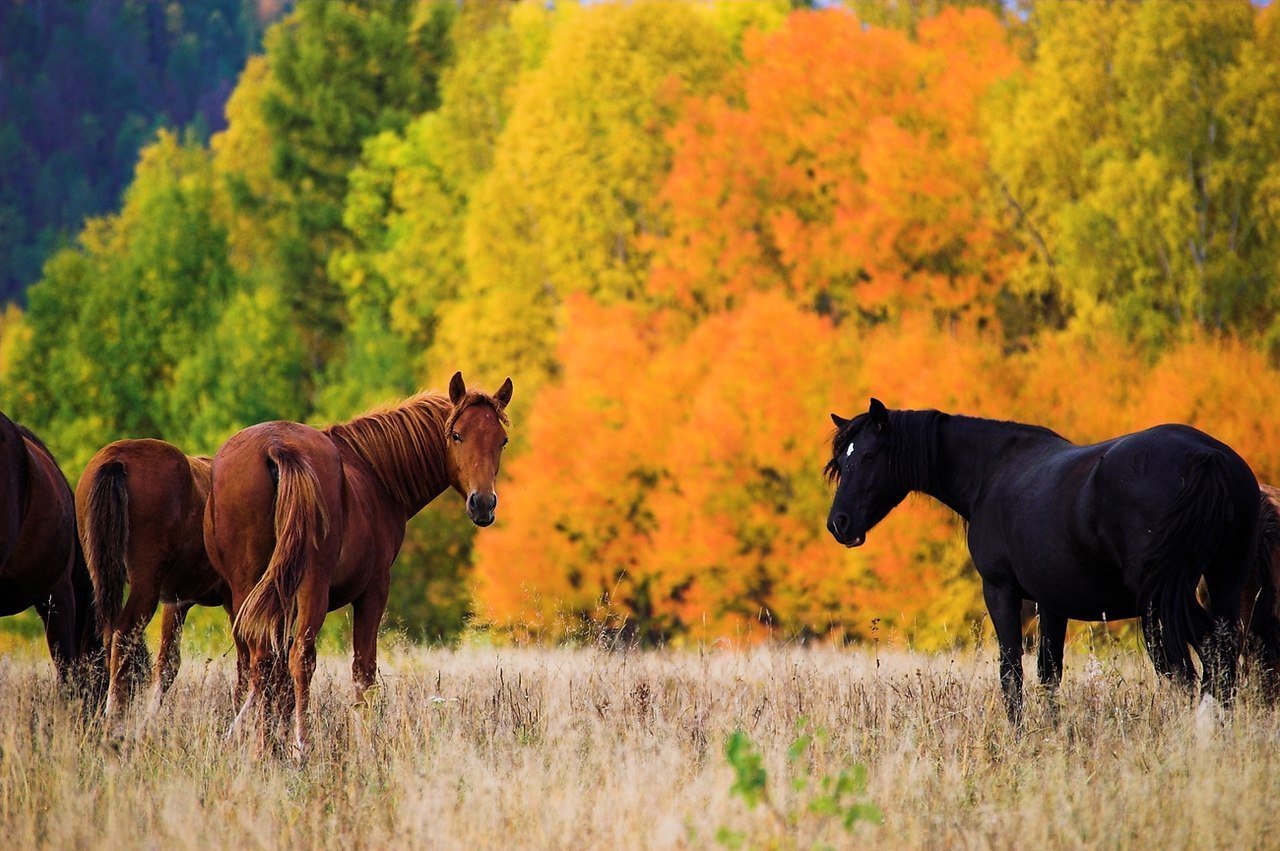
x: 914, y: 442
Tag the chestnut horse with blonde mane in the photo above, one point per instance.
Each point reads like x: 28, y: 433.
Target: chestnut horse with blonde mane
x: 303, y: 521
x: 40, y: 560
x: 141, y: 509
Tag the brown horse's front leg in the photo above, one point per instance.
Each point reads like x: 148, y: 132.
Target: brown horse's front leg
x: 366, y: 617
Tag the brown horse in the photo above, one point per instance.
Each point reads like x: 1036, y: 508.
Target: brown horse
x: 1261, y: 609
x: 140, y: 504
x: 40, y: 560
x: 301, y: 522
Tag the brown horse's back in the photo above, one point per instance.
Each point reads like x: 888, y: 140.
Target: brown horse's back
x: 140, y: 505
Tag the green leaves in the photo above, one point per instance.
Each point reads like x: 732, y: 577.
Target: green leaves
x: 750, y: 779
x: 817, y: 800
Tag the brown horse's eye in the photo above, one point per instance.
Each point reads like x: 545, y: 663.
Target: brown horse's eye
x: 504, y: 441
x: 457, y: 438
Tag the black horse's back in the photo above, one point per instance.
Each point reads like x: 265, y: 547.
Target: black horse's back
x: 1183, y: 506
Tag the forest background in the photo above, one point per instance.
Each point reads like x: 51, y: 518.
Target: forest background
x: 688, y: 231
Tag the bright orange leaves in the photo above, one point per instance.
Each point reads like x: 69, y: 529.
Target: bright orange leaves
x: 847, y: 167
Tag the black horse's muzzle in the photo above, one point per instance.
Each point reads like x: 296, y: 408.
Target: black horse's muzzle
x: 841, y: 528
x: 480, y: 508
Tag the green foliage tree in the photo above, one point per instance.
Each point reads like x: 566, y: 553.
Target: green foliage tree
x: 249, y: 369
x: 1133, y: 156
x: 113, y: 316
x: 340, y: 72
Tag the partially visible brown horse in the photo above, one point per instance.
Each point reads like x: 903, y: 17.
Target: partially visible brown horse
x: 140, y: 504
x: 301, y: 522
x: 1261, y: 610
x: 40, y: 560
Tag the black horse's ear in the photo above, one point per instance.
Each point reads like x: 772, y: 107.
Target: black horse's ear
x: 879, y: 414
x: 840, y: 421
x: 457, y: 388
x: 503, y: 396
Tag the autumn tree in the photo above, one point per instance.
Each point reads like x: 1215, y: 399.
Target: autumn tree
x: 408, y: 196
x: 848, y: 169
x: 1134, y: 155
x: 569, y: 199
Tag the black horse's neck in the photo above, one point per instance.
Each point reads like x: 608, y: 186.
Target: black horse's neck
x: 949, y: 457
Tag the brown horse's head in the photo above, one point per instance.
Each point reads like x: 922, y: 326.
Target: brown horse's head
x: 477, y: 433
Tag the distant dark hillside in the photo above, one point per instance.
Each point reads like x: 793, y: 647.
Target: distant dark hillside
x: 83, y: 85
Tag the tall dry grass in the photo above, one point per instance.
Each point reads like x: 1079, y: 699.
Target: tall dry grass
x: 485, y: 747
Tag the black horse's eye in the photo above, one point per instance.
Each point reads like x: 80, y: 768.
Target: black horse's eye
x: 457, y: 438
x: 866, y: 456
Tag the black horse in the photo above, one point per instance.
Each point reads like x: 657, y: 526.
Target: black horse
x: 1119, y: 529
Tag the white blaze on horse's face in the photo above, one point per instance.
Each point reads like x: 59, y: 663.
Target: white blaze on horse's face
x: 848, y: 451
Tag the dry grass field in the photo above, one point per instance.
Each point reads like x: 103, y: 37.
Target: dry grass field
x: 484, y: 747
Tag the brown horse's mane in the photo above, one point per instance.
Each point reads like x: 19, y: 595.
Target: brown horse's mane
x: 405, y: 442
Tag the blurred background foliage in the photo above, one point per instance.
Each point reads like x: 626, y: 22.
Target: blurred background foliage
x: 687, y: 230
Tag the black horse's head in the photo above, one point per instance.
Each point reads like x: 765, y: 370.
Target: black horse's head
x: 860, y: 466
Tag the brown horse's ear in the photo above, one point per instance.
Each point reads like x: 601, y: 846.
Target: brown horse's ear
x: 503, y: 396
x: 457, y: 388
x: 879, y: 414
x: 840, y: 421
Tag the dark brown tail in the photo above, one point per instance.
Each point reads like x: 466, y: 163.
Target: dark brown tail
x: 301, y: 522
x: 106, y: 539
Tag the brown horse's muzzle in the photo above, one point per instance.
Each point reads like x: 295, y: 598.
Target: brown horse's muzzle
x: 480, y: 508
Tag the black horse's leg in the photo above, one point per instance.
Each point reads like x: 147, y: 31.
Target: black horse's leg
x: 1004, y: 603
x: 1220, y: 648
x: 1151, y: 640
x: 57, y: 611
x: 1053, y: 638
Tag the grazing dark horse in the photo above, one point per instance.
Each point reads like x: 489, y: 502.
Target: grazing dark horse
x: 302, y: 521
x: 40, y: 560
x: 1119, y: 529
x: 140, y: 504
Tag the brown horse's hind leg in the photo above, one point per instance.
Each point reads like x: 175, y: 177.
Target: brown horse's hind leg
x: 259, y: 673
x: 169, y: 655
x: 367, y: 613
x: 313, y: 603
x: 128, y: 659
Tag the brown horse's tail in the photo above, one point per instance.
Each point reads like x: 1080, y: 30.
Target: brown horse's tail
x: 106, y: 538
x: 301, y: 521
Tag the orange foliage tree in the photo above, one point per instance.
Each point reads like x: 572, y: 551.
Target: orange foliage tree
x: 846, y: 166
x: 684, y: 498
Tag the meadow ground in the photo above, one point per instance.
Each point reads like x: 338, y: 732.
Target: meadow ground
x: 577, y: 748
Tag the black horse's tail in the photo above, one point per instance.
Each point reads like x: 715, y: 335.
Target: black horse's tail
x: 1189, y: 541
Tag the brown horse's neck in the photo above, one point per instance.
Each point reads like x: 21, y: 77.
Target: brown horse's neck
x: 405, y: 446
